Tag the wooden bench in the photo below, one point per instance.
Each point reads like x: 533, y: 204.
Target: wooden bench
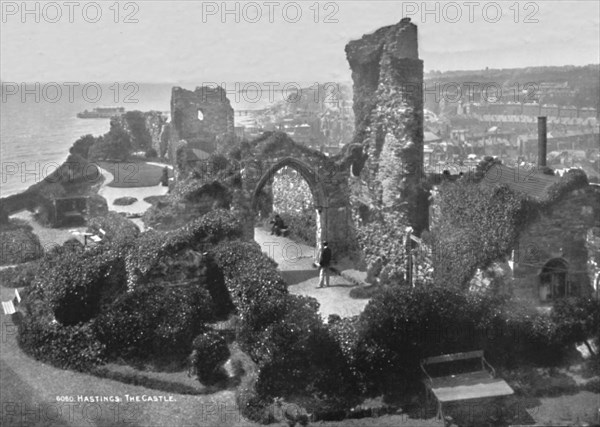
x: 475, y: 384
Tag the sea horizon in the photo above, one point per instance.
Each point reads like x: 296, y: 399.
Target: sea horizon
x: 39, y: 126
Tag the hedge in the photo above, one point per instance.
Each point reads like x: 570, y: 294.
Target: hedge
x: 256, y: 288
x: 117, y: 228
x: 209, y: 352
x: 155, y: 321
x: 75, y: 285
x: 283, y: 334
x: 19, y: 243
x: 67, y: 347
x: 19, y: 276
x: 198, y: 235
x: 402, y: 325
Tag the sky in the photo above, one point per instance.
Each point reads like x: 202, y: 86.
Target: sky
x: 192, y: 41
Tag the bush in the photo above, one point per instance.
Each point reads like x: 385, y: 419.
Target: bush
x: 155, y: 321
x: 302, y: 226
x: 402, y: 325
x: 19, y: 243
x: 153, y: 247
x: 297, y: 355
x: 519, y: 335
x: 209, y: 353
x: 283, y: 333
x: 66, y: 347
x: 577, y: 319
x: 19, y: 276
x: 252, y: 406
x: 77, y: 284
x: 117, y: 228
x: 124, y: 201
x: 115, y: 145
x: 151, y: 153
x: 82, y: 146
x: 256, y: 288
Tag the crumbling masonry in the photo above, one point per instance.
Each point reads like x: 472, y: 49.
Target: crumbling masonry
x: 203, y: 118
x: 388, y: 109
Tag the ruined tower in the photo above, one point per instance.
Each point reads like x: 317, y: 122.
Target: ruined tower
x: 388, y: 109
x: 203, y: 117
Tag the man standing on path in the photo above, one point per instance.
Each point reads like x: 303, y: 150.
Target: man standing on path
x: 324, y: 262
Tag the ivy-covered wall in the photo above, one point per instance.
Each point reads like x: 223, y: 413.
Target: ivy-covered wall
x: 476, y: 225
x: 388, y: 108
x: 559, y: 232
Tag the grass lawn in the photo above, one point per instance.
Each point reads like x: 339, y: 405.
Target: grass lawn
x: 29, y: 393
x: 134, y: 173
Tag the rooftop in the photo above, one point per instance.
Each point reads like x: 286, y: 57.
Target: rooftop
x: 529, y: 180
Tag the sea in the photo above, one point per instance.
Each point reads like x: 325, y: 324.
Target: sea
x: 38, y: 122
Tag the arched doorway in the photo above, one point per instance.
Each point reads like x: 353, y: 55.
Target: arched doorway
x: 309, y: 175
x: 327, y: 180
x: 553, y: 282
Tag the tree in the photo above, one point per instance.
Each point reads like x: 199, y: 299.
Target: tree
x: 115, y: 145
x: 83, y: 145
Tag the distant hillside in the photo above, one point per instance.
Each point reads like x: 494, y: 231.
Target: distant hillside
x: 566, y: 85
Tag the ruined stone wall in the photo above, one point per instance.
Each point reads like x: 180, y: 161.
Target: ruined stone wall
x: 327, y: 181
x: 217, y: 117
x: 559, y: 233
x: 388, y: 109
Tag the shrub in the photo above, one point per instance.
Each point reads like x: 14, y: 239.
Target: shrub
x: 256, y: 288
x: 519, y: 335
x: 77, y: 284
x: 82, y: 146
x: 67, y: 347
x: 302, y: 225
x: 298, y: 356
x: 251, y: 404
x: 577, y: 319
x: 198, y: 235
x: 151, y: 153
x: 117, y: 228
x: 116, y: 144
x: 155, y: 320
x: 19, y: 276
x: 283, y: 333
x: 137, y: 378
x: 124, y: 201
x: 209, y: 352
x: 19, y: 243
x: 134, y: 122
x: 401, y: 325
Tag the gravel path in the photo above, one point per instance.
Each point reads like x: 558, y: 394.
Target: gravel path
x: 140, y: 193
x: 296, y: 265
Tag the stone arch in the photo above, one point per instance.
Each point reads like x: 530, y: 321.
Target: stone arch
x: 326, y: 178
x: 308, y: 173
x: 311, y: 177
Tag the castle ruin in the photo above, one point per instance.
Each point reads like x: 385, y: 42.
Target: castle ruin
x: 388, y: 108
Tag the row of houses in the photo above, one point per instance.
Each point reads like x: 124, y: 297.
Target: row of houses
x: 565, y: 148
x: 532, y: 109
